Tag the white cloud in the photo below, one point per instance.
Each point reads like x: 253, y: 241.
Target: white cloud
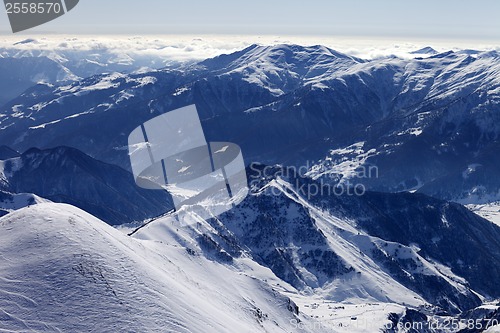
x: 194, y: 48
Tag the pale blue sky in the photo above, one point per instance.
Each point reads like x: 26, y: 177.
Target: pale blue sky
x: 422, y: 19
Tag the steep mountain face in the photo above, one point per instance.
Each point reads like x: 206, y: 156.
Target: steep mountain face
x: 443, y: 232
x: 422, y: 122
x: 67, y: 175
x: 402, y: 248
x: 63, y: 270
x: 440, y: 131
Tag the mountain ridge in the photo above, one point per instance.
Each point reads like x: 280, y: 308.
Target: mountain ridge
x: 302, y: 99
x: 68, y: 175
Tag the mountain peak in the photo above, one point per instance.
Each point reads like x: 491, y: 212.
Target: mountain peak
x: 280, y: 68
x: 279, y: 55
x: 426, y: 50
x: 27, y: 41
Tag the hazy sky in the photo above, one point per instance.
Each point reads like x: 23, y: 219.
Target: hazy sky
x: 457, y: 19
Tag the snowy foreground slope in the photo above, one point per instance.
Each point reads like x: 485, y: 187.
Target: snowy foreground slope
x: 62, y: 270
x: 350, y: 260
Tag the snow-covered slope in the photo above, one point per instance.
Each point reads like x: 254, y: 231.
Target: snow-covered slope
x: 337, y: 261
x: 63, y: 270
x: 489, y: 211
x: 325, y: 267
x: 399, y: 248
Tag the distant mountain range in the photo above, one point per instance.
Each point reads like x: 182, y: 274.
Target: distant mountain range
x: 86, y: 60
x: 428, y: 124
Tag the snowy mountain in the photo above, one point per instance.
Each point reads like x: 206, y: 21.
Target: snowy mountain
x: 167, y: 277
x: 19, y: 74
x: 423, y: 122
x: 311, y: 242
x: 28, y: 62
x: 425, y: 51
x: 92, y: 277
x: 67, y: 175
x: 401, y: 248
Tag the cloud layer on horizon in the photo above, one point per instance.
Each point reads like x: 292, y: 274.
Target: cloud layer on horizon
x: 182, y: 48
